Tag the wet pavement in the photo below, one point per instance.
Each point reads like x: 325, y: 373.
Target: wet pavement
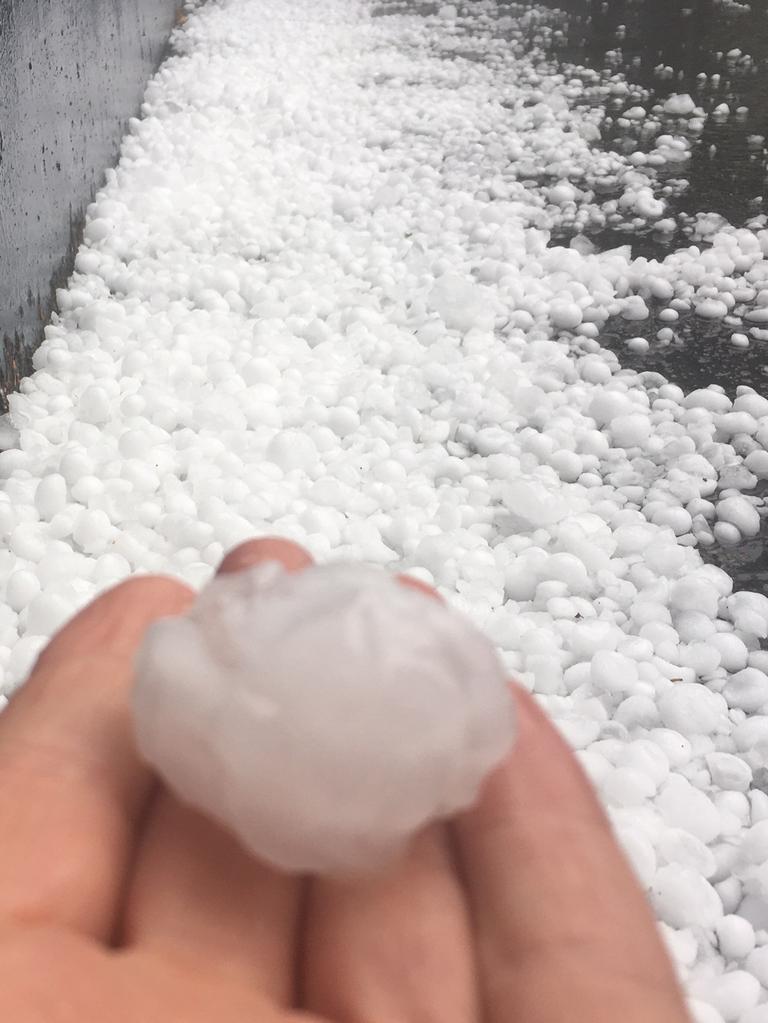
x: 717, y: 52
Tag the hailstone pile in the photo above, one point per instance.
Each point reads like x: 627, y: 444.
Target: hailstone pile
x: 323, y: 716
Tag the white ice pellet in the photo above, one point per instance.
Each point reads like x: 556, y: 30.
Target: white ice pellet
x: 733, y: 994
x: 711, y: 309
x: 747, y: 689
x: 683, y: 806
x: 759, y: 1014
x: 565, y: 315
x: 692, y: 709
x: 749, y: 613
x: 683, y: 898
x: 735, y: 936
x: 733, y: 651
x: 323, y: 716
x: 740, y: 513
x: 703, y: 1012
x: 51, y: 495
x: 679, y: 105
x: 678, y: 846
x: 291, y: 450
x: 732, y: 423
x: 708, y: 398
x: 462, y: 304
x: 638, y: 345
x: 691, y: 594
x: 635, y: 309
x: 757, y: 964
x: 22, y: 587
x: 613, y: 672
x: 757, y: 463
x: 630, y: 431
x: 729, y: 772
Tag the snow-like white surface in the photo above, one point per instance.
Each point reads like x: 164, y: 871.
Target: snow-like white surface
x: 317, y: 298
x: 324, y: 716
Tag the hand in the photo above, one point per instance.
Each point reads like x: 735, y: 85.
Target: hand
x: 119, y: 904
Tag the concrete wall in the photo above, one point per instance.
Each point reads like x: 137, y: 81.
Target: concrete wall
x: 71, y: 73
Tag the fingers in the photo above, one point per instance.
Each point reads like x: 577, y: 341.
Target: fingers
x: 396, y: 947
x: 196, y: 897
x: 552, y: 896
x: 253, y: 552
x: 73, y: 787
x: 417, y: 584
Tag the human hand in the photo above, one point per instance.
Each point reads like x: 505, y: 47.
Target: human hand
x: 118, y: 903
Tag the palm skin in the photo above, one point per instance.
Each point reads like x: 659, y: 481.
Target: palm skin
x: 119, y: 904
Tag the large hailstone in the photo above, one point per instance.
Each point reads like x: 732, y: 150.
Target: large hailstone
x: 322, y: 716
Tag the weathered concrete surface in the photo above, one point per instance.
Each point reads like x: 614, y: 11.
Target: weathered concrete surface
x: 71, y: 73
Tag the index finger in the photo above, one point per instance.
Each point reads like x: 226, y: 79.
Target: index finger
x: 73, y: 785
x: 563, y: 930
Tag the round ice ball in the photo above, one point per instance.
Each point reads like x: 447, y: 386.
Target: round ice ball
x: 323, y: 716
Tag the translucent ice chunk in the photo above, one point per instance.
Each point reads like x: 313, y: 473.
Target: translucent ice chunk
x: 322, y: 716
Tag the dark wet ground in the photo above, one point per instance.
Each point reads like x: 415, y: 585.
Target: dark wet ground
x: 717, y: 51
x: 663, y: 47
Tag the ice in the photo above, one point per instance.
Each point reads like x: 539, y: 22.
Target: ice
x: 747, y: 689
x: 695, y: 595
x: 741, y: 513
x: 749, y: 613
x: 757, y: 964
x: 711, y: 309
x: 680, y: 847
x: 729, y: 772
x: 565, y: 315
x: 732, y: 994
x: 692, y: 709
x: 323, y: 716
x: 613, y: 672
x: 21, y: 588
x: 679, y: 105
x: 462, y: 304
x: 735, y: 937
x: 683, y: 898
x: 759, y: 1014
x: 683, y: 806
x: 630, y: 431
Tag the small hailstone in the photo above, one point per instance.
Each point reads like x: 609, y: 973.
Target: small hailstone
x: 741, y: 513
x: 630, y: 430
x: 22, y: 587
x: 729, y: 772
x: 683, y: 898
x: 565, y: 315
x: 690, y: 708
x: 683, y: 806
x: 735, y: 936
x: 638, y: 344
x: 711, y: 309
x: 733, y: 994
x: 758, y: 1014
x: 679, y: 105
x: 323, y: 716
x: 747, y: 689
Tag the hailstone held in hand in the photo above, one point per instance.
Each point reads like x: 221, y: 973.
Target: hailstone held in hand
x: 323, y: 716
